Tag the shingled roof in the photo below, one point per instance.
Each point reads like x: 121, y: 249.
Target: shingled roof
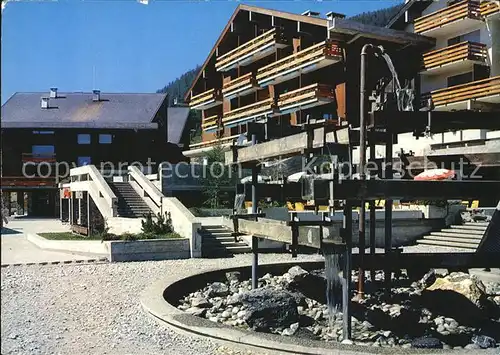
x: 77, y: 110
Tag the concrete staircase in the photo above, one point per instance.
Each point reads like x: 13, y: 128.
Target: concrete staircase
x: 464, y: 236
x: 130, y: 204
x: 218, y: 241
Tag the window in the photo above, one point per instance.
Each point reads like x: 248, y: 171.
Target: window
x: 84, y: 139
x: 43, y: 150
x: 474, y: 36
x: 460, y: 79
x: 105, y: 138
x: 43, y: 132
x: 84, y: 161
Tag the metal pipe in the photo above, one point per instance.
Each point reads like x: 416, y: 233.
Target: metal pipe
x: 388, y: 211
x: 346, y: 297
x: 362, y: 163
x: 373, y: 220
x: 255, y: 241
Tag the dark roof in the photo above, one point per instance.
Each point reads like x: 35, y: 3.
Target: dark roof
x: 76, y: 109
x: 176, y: 119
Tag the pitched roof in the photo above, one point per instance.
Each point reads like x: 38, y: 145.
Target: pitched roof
x: 176, y: 120
x: 421, y: 4
x: 76, y: 109
x: 242, y: 7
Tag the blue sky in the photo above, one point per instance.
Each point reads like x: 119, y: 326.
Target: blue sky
x: 133, y: 47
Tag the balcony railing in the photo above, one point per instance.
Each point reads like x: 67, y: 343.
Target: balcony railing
x: 489, y: 7
x: 38, y: 158
x: 249, y: 112
x: 23, y: 181
x: 456, y: 12
x: 240, y: 86
x: 223, y: 140
x: 309, y: 59
x: 211, y: 123
x: 250, y: 51
x: 487, y: 90
x: 207, y: 99
x: 306, y: 97
x: 455, y: 53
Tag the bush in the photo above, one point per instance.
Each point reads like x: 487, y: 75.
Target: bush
x: 161, y: 226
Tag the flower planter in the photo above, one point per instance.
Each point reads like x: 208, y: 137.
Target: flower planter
x: 150, y: 249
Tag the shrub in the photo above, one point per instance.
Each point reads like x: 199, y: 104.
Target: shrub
x: 128, y: 236
x: 161, y: 226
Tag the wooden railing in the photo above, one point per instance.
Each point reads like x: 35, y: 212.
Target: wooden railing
x: 306, y: 94
x: 206, y: 97
x: 473, y: 90
x: 457, y: 52
x: 223, y: 140
x: 252, y: 110
x: 210, y: 123
x: 489, y: 7
x: 38, y: 158
x: 270, y: 37
x: 28, y: 182
x: 459, y: 11
x: 238, y: 83
x: 308, y: 56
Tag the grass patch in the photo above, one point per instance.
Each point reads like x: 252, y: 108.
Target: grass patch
x: 68, y: 236
x: 109, y: 236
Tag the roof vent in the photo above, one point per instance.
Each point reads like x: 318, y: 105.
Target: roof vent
x: 331, y: 15
x: 44, y: 103
x: 310, y: 13
x: 96, y: 95
x: 53, y: 93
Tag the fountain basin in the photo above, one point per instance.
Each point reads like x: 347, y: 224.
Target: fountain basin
x: 161, y: 299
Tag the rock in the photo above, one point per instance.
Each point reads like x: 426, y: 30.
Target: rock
x: 218, y: 289
x: 233, y: 276
x: 226, y: 314
x: 387, y: 333
x: 269, y: 308
x: 440, y: 328
x: 428, y: 279
x: 241, y: 314
x: 195, y: 311
x: 296, y: 273
x: 292, y: 330
x: 484, y: 341
x: 235, y: 310
x: 426, y: 343
x: 233, y: 300
x: 200, y: 302
x: 347, y: 342
x: 472, y: 347
x: 312, y: 285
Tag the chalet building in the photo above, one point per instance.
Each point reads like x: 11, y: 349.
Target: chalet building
x: 44, y: 134
x: 287, y: 68
x: 461, y: 72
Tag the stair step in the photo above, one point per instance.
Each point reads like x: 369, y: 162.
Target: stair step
x: 222, y: 238
x: 223, y: 244
x: 239, y: 249
x: 463, y: 231
x: 484, y: 224
x: 457, y: 235
x: 468, y: 227
x: 453, y: 239
x: 448, y: 244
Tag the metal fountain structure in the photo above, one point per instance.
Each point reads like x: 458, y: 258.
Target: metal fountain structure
x: 379, y: 125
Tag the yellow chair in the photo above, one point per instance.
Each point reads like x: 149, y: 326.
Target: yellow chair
x: 475, y: 204
x: 380, y: 203
x: 299, y: 206
x: 290, y: 206
x: 323, y: 208
x: 248, y: 204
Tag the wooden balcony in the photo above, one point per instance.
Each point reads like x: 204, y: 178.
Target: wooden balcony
x: 211, y: 124
x: 307, y: 60
x: 38, y: 158
x: 205, y: 100
x: 455, y: 58
x: 477, y: 94
x: 464, y: 16
x: 249, y: 112
x: 243, y: 85
x: 489, y: 8
x: 306, y: 97
x: 223, y: 140
x: 11, y: 182
x: 253, y: 50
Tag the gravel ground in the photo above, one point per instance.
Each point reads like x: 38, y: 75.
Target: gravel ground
x: 94, y: 308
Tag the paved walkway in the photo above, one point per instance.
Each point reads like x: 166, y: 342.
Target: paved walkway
x: 16, y: 249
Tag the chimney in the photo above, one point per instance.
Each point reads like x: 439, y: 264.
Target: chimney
x: 310, y: 13
x: 331, y: 15
x: 44, y: 103
x: 96, y: 95
x: 53, y: 93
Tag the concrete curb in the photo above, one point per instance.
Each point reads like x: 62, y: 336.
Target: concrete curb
x: 154, y: 304
x: 78, y: 261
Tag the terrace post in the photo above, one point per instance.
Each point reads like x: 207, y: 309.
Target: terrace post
x: 255, y: 241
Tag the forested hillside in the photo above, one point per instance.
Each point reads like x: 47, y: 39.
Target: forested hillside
x: 178, y: 87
